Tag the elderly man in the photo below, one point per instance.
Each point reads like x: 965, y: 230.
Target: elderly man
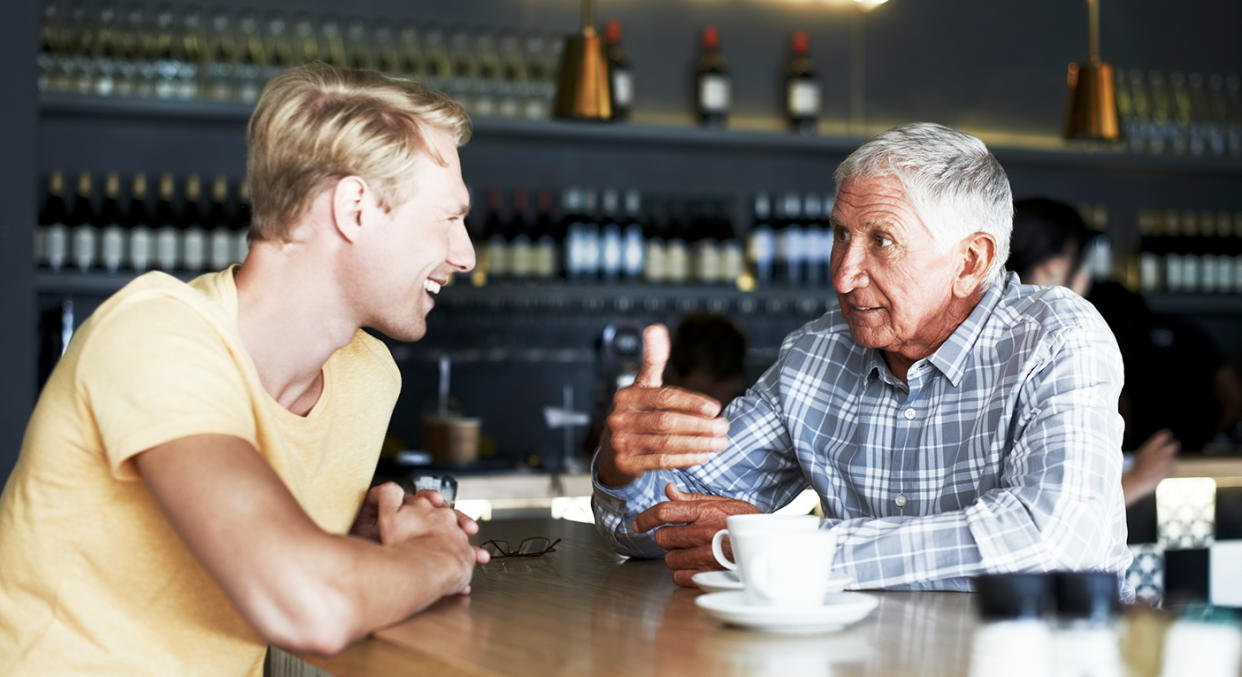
x: 952, y: 422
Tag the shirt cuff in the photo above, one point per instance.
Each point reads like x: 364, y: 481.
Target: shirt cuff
x: 615, y: 499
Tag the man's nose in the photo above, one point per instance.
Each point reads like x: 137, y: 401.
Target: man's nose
x: 846, y: 268
x: 461, y: 250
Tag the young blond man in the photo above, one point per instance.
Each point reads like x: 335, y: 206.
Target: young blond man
x: 193, y: 484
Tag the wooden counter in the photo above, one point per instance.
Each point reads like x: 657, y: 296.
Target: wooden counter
x: 584, y: 610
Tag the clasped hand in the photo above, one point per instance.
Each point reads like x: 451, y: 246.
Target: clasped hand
x: 391, y: 516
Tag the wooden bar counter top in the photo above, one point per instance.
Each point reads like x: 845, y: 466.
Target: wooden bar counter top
x: 584, y: 610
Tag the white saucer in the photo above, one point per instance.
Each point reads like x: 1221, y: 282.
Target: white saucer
x: 838, y: 610
x: 720, y: 581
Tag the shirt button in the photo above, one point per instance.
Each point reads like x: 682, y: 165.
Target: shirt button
x: 900, y: 500
x: 910, y: 414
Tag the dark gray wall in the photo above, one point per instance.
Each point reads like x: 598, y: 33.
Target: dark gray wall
x: 984, y: 66
x: 17, y: 194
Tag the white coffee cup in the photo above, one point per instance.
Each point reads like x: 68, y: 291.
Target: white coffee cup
x: 782, y: 560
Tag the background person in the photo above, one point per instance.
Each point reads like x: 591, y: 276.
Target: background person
x: 1049, y: 243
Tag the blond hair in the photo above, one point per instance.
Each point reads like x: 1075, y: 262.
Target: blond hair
x: 315, y: 124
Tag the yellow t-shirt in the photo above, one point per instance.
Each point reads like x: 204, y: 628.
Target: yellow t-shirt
x: 93, y: 578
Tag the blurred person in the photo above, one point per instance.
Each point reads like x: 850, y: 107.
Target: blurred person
x: 193, y: 483
x: 952, y: 421
x: 707, y: 356
x: 1048, y: 248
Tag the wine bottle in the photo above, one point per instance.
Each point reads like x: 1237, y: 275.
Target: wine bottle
x: 547, y: 242
x: 813, y: 240
x: 521, y: 248
x: 241, y: 222
x: 790, y: 247
x: 732, y: 258
x: 620, y: 75
x: 112, y: 237
x: 633, y: 248
x: 610, y: 246
x: 167, y: 231
x: 704, y: 245
x: 591, y: 252
x: 85, y: 226
x: 220, y: 249
x: 496, y: 249
x: 53, y: 236
x: 571, y: 220
x: 802, y: 90
x: 711, y: 80
x: 655, y: 258
x: 1149, y: 255
x: 677, y: 250
x: 141, y: 246
x: 760, y: 244
x: 193, y: 233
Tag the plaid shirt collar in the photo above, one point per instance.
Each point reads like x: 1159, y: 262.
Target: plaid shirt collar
x: 952, y: 357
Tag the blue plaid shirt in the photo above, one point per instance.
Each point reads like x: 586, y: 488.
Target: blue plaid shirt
x: 1002, y: 452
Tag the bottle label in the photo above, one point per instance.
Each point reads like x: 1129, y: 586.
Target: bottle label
x: 792, y: 245
x: 545, y: 258
x: 56, y: 245
x: 85, y: 246
x: 632, y: 256
x: 1149, y: 272
x: 622, y: 88
x: 677, y: 261
x: 732, y: 262
x: 713, y: 93
x: 194, y: 249
x: 112, y: 250
x: 803, y: 98
x: 241, y: 245
x: 762, y: 245
x: 221, y: 248
x: 497, y: 257
x: 521, y: 257
x: 707, y: 261
x: 139, y: 248
x: 656, y: 269
x: 611, y: 250
x: 167, y: 249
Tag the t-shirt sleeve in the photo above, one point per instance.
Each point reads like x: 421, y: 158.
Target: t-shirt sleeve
x: 156, y: 370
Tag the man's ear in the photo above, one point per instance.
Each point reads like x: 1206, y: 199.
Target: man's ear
x: 350, y: 198
x: 978, y: 251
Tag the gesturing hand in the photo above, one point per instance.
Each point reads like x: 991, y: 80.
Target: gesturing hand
x: 653, y: 426
x: 692, y: 520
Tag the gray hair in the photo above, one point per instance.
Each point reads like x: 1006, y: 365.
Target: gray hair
x: 954, y: 183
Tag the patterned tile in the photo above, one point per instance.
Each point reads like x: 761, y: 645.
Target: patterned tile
x: 1146, y: 573
x: 1186, y: 513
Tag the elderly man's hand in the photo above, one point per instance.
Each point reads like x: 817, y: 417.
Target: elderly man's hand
x: 657, y: 427
x: 687, y: 523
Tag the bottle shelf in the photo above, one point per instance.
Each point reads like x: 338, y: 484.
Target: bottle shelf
x: 1195, y: 304
x: 1041, y: 151
x: 596, y: 297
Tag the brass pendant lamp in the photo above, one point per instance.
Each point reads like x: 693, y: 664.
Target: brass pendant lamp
x: 1093, y: 106
x: 582, y: 84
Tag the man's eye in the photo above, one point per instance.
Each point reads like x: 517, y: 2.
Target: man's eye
x: 883, y: 241
x: 840, y: 234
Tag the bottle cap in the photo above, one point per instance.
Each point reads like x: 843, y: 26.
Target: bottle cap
x: 612, y: 31
x: 800, y: 43
x: 1013, y: 596
x: 1090, y: 595
x: 711, y: 38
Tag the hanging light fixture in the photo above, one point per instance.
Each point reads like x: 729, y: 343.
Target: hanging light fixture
x: 1092, y: 106
x: 582, y: 84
